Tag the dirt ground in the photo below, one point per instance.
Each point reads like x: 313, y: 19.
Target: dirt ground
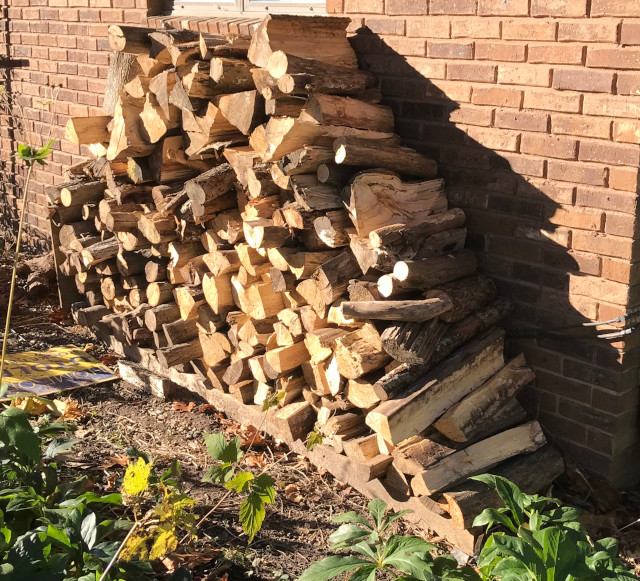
x: 295, y: 532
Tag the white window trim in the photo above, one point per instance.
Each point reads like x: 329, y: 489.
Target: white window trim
x: 246, y: 8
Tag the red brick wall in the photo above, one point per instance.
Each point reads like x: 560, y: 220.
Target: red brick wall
x: 531, y: 108
x: 65, y: 49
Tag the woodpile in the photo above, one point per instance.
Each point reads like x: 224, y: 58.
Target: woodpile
x: 252, y: 218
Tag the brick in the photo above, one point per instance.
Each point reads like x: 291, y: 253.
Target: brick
x: 332, y: 7
x: 475, y: 28
x: 367, y: 6
x: 497, y: 139
x: 562, y: 54
x: 612, y: 106
x: 502, y: 8
x: 549, y: 146
x: 475, y: 72
x: 559, y: 8
x: 428, y: 68
x: 469, y: 115
x: 624, y: 178
x: 614, y: 58
x: 407, y: 46
x: 432, y: 27
x: 498, y: 96
x: 603, y: 244
x: 556, y: 237
x: 552, y: 101
x: 581, y: 173
x: 617, y: 270
x: 500, y: 51
x: 450, y: 50
x: 607, y: 199
x: 588, y: 31
x: 385, y: 25
x: 553, y: 191
x: 615, y: 8
x: 531, y: 75
x: 626, y: 131
x: 628, y: 84
x: 580, y: 218
x: 527, y: 29
x: 621, y: 225
x: 581, y: 126
x: 527, y: 120
x: 630, y: 33
x: 583, y: 80
x: 596, y: 288
x: 458, y: 92
x: 525, y: 165
x: 609, y: 153
x: 453, y: 7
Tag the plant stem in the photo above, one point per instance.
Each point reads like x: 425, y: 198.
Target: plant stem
x: 13, y: 278
x: 206, y: 516
x: 115, y: 557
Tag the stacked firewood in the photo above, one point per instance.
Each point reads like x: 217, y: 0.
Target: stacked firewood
x: 252, y: 217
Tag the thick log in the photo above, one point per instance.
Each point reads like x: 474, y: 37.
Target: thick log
x: 372, y: 153
x: 126, y: 137
x: 130, y: 39
x: 159, y: 293
x: 344, y: 111
x: 317, y: 77
x: 469, y: 417
x: 429, y: 397
x: 427, y: 273
x: 210, y: 185
x: 477, y: 458
x: 314, y: 196
x: 320, y: 343
x: 284, y: 106
x: 179, y: 354
x: 531, y: 473
x: 100, y: 252
x: 305, y: 160
x: 285, y: 359
x: 231, y: 74
x: 218, y: 292
x: 423, y: 310
x: 464, y: 296
x: 157, y: 316
x: 336, y: 175
x: 188, y: 299
x: 80, y: 193
x: 180, y: 331
x: 156, y: 120
x: 264, y: 233
x: 123, y: 67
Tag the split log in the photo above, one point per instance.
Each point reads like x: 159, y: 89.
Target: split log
x: 332, y: 228
x: 244, y: 110
x: 284, y: 106
x: 378, y: 198
x: 477, y: 458
x: 285, y: 359
x: 188, y: 300
x: 323, y: 39
x: 360, y: 352
x: 372, y: 153
x: 180, y: 331
x: 126, y: 138
x: 467, y: 418
x: 531, y: 473
x: 218, y: 292
x: 231, y: 74
x: 362, y: 449
x: 454, y: 337
x: 312, y: 195
x: 87, y: 130
x: 429, y: 397
x: 413, y: 342
x: 123, y: 67
x: 210, y: 185
x: 465, y: 296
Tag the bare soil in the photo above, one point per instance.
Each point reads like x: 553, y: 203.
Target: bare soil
x: 295, y: 532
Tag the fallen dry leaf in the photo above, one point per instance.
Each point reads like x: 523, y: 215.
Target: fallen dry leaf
x: 178, y: 406
x: 58, y: 315
x: 111, y: 461
x: 206, y: 407
x: 251, y: 436
x: 255, y: 460
x: 109, y: 359
x: 31, y: 405
x: 292, y: 493
x: 69, y: 409
x: 110, y: 485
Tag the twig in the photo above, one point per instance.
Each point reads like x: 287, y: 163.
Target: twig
x: 117, y: 553
x: 206, y: 516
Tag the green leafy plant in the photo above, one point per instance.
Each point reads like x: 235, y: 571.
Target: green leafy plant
x: 52, y: 529
x: 544, y: 541
x: 259, y: 489
x: 377, y: 550
x: 314, y: 438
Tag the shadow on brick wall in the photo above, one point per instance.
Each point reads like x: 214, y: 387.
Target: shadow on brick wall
x: 585, y: 394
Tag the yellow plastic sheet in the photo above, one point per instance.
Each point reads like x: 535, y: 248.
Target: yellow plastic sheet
x: 57, y: 369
